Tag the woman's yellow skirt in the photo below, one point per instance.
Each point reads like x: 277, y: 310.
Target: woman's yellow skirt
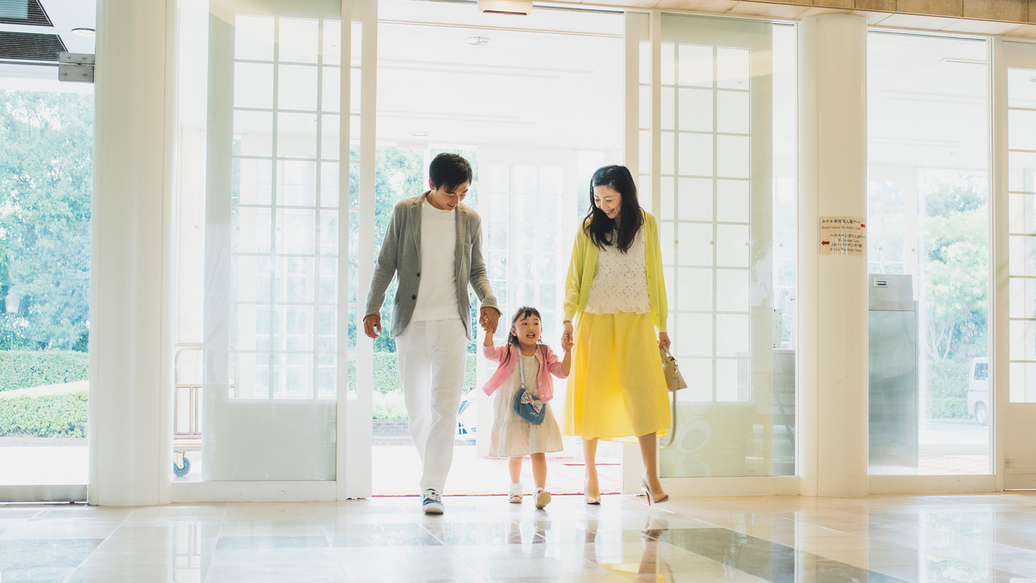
x: 616, y: 388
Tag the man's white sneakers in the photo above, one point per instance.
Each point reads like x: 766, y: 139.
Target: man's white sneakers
x: 431, y: 501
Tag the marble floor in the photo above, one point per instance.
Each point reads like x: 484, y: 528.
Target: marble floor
x: 891, y: 538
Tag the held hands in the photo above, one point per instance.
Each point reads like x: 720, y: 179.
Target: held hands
x: 372, y: 326
x: 488, y: 319
x: 566, y: 337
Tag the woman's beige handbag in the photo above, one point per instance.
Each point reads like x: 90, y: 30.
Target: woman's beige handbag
x: 674, y: 381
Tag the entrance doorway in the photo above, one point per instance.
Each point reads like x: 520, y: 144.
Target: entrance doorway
x: 536, y: 105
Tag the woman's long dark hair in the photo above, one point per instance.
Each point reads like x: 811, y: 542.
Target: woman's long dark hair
x: 523, y: 312
x: 598, y: 226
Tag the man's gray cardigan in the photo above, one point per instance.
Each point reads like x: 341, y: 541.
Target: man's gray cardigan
x: 401, y: 253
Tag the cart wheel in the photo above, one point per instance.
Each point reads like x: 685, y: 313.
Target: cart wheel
x: 181, y: 471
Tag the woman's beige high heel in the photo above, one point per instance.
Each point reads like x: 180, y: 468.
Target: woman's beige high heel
x: 593, y: 500
x: 647, y: 492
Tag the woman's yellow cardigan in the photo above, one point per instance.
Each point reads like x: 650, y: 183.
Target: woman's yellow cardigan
x: 583, y: 266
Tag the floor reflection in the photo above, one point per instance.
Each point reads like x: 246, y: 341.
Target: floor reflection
x: 956, y: 539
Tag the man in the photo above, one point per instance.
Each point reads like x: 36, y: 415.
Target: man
x: 434, y: 244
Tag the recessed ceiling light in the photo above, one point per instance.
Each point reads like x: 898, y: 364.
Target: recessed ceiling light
x: 477, y: 40
x: 87, y: 32
x: 419, y: 134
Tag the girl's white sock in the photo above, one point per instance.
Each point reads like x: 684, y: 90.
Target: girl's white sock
x: 516, y: 488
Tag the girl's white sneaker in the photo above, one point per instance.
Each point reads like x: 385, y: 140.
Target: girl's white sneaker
x: 542, y: 498
x: 514, y: 495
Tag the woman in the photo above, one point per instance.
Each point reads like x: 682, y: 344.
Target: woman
x: 616, y: 293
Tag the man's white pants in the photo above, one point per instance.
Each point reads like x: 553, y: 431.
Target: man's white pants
x: 431, y: 367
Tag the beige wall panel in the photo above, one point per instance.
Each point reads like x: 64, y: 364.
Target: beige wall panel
x: 844, y: 4
x: 981, y: 27
x: 769, y: 10
x: 1002, y: 10
x: 711, y: 6
x: 936, y: 7
x: 880, y: 5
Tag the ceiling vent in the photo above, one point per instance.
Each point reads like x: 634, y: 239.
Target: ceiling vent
x: 30, y: 46
x: 25, y: 12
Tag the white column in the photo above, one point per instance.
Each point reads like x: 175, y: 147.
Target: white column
x: 832, y: 289
x: 130, y: 427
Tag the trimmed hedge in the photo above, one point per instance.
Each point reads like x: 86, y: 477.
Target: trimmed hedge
x: 25, y: 369
x: 948, y: 389
x: 61, y: 415
x: 386, y: 403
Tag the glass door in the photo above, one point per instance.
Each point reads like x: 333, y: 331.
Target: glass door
x: 727, y: 225
x: 1014, y: 380
x: 260, y: 360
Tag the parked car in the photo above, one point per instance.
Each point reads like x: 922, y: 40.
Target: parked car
x: 978, y: 390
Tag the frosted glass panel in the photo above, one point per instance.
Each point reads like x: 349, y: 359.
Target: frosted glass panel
x: 695, y: 154
x: 253, y: 85
x: 732, y: 113
x: 725, y: 217
x: 696, y: 65
x: 734, y: 339
x: 732, y: 246
x: 1021, y: 130
x: 271, y: 332
x: 1021, y: 214
x: 668, y: 109
x: 1020, y: 172
x: 732, y: 290
x: 297, y: 135
x: 696, y: 112
x: 696, y: 285
x: 698, y: 339
x: 1022, y: 298
x: 297, y: 87
x: 696, y: 244
x: 732, y: 156
x: 695, y: 199
x: 253, y: 38
x: 298, y: 40
x: 254, y: 132
x: 1022, y: 255
x: 644, y: 106
x: 1023, y: 340
x: 1023, y: 382
x: 668, y: 63
x: 732, y: 201
x: 667, y: 153
x: 732, y: 68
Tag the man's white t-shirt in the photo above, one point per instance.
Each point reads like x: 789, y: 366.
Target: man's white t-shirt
x: 437, y: 292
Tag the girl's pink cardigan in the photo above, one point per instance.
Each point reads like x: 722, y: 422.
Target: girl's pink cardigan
x: 549, y: 365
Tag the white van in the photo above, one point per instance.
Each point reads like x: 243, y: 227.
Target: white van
x: 978, y: 390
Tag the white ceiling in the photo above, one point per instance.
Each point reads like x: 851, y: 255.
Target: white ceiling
x: 65, y: 15
x: 553, y: 80
x: 928, y: 102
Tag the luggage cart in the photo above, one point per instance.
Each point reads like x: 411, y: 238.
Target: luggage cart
x: 186, y: 399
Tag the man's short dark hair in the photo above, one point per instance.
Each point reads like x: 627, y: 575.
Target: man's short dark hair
x: 450, y: 171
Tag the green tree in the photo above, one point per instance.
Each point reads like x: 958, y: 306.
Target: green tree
x: 400, y: 174
x: 956, y: 247
x: 45, y: 188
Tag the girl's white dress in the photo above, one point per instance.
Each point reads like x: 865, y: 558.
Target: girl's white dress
x: 512, y: 435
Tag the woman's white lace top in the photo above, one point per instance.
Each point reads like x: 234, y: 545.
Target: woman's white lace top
x: 620, y: 281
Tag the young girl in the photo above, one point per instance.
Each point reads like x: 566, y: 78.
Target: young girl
x: 514, y: 437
